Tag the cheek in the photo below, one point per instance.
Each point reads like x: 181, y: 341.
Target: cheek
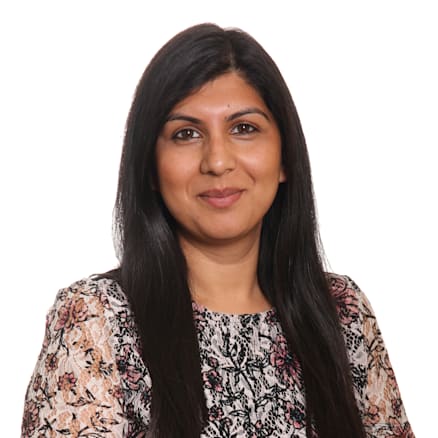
x: 266, y: 164
x: 166, y: 176
x: 174, y: 173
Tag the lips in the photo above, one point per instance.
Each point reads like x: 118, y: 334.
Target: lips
x: 221, y: 198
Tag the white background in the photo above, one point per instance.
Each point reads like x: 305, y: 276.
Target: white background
x: 364, y: 78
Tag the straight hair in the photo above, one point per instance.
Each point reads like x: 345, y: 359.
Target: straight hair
x: 153, y: 269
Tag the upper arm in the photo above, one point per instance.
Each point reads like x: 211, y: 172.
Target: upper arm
x: 75, y: 387
x: 384, y: 414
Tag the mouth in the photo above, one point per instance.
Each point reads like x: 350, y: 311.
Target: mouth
x: 221, y: 198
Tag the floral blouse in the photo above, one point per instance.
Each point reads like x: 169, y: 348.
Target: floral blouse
x: 90, y: 380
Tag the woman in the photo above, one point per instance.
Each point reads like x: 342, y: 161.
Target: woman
x: 220, y: 320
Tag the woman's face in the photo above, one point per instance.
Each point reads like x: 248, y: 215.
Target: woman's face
x: 219, y: 161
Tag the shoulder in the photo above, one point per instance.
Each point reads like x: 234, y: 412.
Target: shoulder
x: 92, y: 289
x: 356, y: 315
x: 93, y: 286
x: 91, y: 301
x: 351, y: 302
x: 338, y: 284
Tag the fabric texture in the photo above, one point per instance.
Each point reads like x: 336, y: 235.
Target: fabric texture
x: 90, y: 380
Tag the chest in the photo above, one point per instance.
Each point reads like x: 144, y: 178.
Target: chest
x: 253, y: 385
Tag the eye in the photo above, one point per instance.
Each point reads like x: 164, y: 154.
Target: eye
x: 186, y: 134
x: 243, y: 128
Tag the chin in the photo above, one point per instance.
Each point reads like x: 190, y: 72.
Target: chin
x: 229, y: 235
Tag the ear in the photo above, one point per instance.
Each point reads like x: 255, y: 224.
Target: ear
x: 282, y: 176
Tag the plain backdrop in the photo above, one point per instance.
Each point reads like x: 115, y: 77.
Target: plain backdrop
x: 364, y: 78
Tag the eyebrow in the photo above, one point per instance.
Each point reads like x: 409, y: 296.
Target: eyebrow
x: 230, y: 118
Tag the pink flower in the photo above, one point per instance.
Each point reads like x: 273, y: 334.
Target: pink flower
x: 396, y: 428
x: 37, y: 382
x: 31, y: 420
x: 213, y: 362
x: 271, y: 317
x: 287, y: 367
x: 373, y: 414
x: 71, y: 313
x: 347, y: 302
x: 337, y: 285
x: 51, y: 362
x: 67, y: 382
x: 295, y: 415
x: 215, y: 413
x: 213, y: 380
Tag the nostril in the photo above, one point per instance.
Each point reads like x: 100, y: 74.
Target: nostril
x: 217, y: 161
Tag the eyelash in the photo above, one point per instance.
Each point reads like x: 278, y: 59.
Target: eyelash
x: 187, y: 133
x: 251, y: 127
x: 177, y: 135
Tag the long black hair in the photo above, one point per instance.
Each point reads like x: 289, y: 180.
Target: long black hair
x: 153, y: 270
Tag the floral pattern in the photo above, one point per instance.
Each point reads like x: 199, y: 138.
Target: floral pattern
x: 90, y: 380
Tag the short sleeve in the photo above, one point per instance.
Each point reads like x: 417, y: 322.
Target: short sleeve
x: 75, y: 388
x: 384, y: 414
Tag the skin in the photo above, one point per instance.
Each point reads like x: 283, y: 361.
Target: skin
x: 219, y: 167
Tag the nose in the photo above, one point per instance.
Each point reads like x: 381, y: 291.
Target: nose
x: 218, y: 157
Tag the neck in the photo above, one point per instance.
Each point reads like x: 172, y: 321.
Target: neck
x: 223, y: 277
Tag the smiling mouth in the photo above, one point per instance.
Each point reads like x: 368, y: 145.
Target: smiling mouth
x: 221, y: 198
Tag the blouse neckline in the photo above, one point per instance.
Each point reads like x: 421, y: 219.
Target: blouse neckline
x: 234, y: 316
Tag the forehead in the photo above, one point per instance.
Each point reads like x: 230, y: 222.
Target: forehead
x: 226, y: 92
